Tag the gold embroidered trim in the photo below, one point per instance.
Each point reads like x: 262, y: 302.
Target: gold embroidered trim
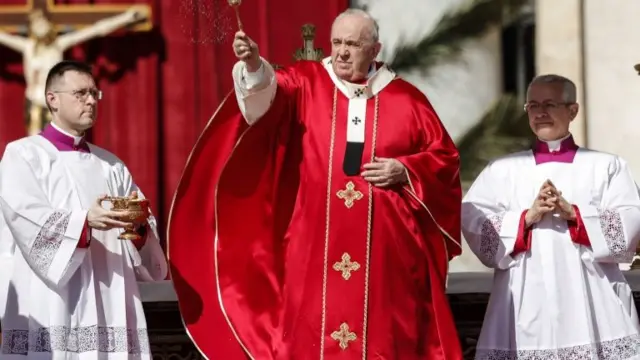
x: 445, y: 235
x: 326, y: 226
x: 369, y: 229
x: 343, y: 336
x: 216, y: 239
x: 349, y: 195
x: 365, y: 322
x: 346, y: 266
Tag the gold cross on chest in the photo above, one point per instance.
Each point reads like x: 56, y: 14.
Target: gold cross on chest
x: 14, y: 18
x: 343, y: 336
x: 346, y: 266
x: 349, y: 195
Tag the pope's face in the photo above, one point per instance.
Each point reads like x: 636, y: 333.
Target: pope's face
x: 549, y: 115
x: 352, y: 47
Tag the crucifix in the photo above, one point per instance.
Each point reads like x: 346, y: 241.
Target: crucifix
x: 308, y: 52
x: 41, y: 31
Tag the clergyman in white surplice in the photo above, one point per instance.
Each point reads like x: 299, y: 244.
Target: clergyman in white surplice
x: 68, y: 285
x: 555, y: 222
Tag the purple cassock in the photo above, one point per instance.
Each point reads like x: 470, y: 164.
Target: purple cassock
x: 64, y: 142
x: 564, y: 154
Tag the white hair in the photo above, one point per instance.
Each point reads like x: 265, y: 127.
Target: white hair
x: 374, y: 29
x: 569, y: 92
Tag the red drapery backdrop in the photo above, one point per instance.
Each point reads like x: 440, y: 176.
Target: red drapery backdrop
x: 161, y: 87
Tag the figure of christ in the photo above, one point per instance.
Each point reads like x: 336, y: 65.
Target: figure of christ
x: 44, y: 47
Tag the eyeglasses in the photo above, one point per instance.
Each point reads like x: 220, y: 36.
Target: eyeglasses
x: 82, y: 94
x: 534, y: 106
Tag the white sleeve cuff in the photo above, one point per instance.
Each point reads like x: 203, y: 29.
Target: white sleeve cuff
x: 251, y: 80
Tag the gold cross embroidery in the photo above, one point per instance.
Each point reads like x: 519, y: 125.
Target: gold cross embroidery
x: 343, y: 336
x: 346, y: 266
x: 350, y: 195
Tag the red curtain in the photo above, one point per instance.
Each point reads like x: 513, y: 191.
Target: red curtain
x: 161, y: 87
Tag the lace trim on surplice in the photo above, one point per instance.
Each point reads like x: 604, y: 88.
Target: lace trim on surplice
x: 623, y: 348
x: 490, y: 237
x: 613, y: 232
x: 48, y: 240
x: 76, y: 340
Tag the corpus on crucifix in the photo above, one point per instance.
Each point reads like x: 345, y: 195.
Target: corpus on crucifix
x: 52, y: 29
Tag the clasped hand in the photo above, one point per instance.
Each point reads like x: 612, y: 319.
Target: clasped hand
x: 100, y: 218
x: 549, y: 200
x: 383, y: 172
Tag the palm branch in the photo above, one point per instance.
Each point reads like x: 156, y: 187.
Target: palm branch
x: 503, y: 129
x: 444, y: 43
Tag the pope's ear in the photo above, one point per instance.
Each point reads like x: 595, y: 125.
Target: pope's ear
x: 376, y: 49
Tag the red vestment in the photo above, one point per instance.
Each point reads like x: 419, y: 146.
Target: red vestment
x: 263, y: 240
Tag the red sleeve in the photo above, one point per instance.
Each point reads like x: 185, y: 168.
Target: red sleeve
x: 194, y: 258
x: 523, y: 239
x: 434, y: 195
x: 577, y: 230
x: 85, y: 238
x: 434, y: 175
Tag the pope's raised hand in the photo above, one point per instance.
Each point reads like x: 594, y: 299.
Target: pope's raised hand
x: 246, y: 50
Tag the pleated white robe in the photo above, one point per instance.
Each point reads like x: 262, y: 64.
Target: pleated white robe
x: 559, y: 300
x: 58, y: 301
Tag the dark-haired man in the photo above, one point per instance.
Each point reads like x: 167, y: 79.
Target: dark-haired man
x: 68, y: 287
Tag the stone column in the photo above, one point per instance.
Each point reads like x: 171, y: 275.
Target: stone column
x: 612, y: 47
x: 560, y: 50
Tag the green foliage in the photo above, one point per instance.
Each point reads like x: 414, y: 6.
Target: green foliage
x: 444, y: 43
x: 503, y: 129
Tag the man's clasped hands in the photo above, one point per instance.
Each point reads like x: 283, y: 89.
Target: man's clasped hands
x: 549, y: 200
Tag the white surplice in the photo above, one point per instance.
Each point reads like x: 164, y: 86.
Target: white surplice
x: 559, y: 300
x: 59, y: 301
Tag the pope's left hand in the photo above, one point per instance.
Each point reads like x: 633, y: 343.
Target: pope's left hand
x: 384, y: 172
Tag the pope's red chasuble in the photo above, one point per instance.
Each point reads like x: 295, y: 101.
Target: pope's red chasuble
x: 279, y: 249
